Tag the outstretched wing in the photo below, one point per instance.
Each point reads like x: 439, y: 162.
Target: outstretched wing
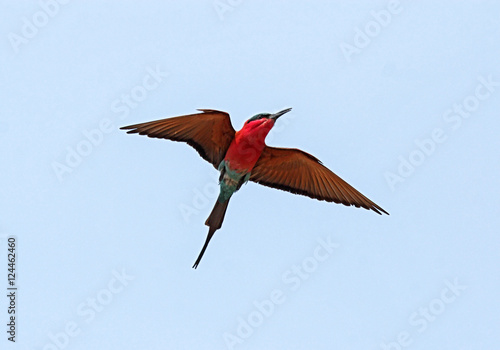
x: 301, y: 173
x: 209, y: 132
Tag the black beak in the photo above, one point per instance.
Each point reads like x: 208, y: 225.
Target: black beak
x: 279, y: 114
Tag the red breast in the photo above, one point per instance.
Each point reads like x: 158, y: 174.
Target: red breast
x: 248, y: 144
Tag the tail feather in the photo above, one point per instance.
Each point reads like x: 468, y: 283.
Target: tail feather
x: 214, y: 222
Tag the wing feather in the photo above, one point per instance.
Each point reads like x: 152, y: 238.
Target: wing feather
x: 299, y: 172
x: 209, y: 132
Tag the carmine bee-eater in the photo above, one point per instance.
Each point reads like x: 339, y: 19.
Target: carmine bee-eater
x: 243, y: 155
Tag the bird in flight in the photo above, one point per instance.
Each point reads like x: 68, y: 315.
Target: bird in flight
x: 242, y: 155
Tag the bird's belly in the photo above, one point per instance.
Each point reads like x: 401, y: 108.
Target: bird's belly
x: 230, y: 180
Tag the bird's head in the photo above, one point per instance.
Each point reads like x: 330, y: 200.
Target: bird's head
x: 263, y: 121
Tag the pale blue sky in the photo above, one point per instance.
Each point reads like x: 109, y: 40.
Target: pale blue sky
x: 400, y: 99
